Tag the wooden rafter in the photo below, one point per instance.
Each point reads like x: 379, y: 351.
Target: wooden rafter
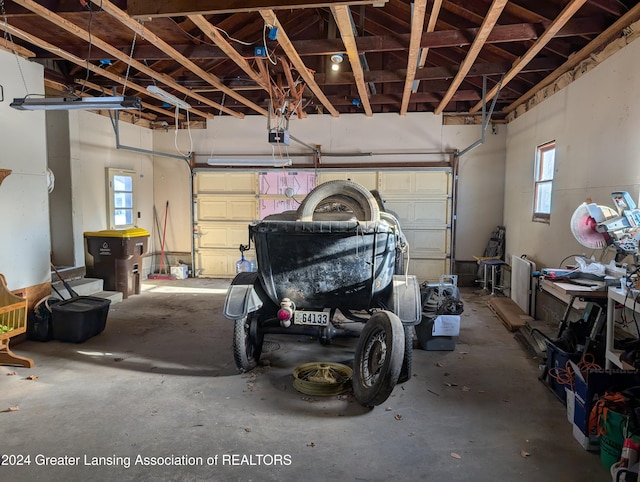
x: 572, y: 7
x: 485, y: 29
x: 343, y: 20
x: 605, y: 37
x: 295, y: 90
x: 449, y: 37
x: 144, y: 32
x: 146, y: 105
x: 101, y: 44
x: 431, y: 26
x: 78, y: 61
x: 178, y: 8
x: 270, y: 17
x: 417, y: 25
x: 12, y: 48
x: 215, y: 35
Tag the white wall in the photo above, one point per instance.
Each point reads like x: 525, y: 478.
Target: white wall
x: 92, y: 150
x: 24, y: 210
x: 481, y: 171
x: 594, y: 122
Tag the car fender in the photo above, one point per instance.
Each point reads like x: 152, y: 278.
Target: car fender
x: 405, y: 299
x: 242, y: 297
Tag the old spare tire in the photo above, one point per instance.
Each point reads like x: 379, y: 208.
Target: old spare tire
x: 352, y: 195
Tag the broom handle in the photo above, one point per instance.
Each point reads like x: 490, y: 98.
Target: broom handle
x: 164, y: 233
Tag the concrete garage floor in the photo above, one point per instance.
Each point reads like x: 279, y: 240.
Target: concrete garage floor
x: 160, y: 382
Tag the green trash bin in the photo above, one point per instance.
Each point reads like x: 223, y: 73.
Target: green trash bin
x: 115, y: 255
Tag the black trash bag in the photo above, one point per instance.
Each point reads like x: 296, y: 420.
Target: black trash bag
x: 39, y: 320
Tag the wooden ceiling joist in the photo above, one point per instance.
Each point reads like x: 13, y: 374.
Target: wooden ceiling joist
x: 343, y: 20
x: 387, y: 43
x: 178, y: 8
x: 144, y: 32
x: 106, y: 47
x: 417, y: 25
x: 214, y: 34
x: 572, y: 7
x: 12, y: 48
x: 600, y: 41
x: 431, y: 26
x: 485, y: 29
x: 78, y: 61
x: 295, y: 90
x: 270, y: 17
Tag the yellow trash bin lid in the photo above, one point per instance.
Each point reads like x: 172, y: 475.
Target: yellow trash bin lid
x: 118, y: 233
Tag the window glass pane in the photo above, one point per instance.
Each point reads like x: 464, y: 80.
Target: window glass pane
x: 548, y: 158
x: 543, y: 197
x: 123, y: 217
x: 123, y: 183
x: 123, y: 200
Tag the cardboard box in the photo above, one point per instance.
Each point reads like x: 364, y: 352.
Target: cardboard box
x: 180, y: 272
x: 592, y: 444
x: 599, y: 382
x: 571, y: 402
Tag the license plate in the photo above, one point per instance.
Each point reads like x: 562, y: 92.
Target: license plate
x: 317, y: 318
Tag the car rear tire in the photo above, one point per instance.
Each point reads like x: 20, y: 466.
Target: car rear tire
x: 378, y: 359
x: 407, y: 361
x: 351, y: 194
x: 247, y: 342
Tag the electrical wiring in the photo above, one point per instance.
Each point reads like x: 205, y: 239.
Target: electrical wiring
x: 9, y: 38
x: 175, y: 137
x: 213, y: 138
x: 126, y: 76
x: 266, y: 49
x: 193, y: 37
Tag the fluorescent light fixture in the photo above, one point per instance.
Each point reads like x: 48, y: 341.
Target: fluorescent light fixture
x: 172, y: 99
x: 249, y: 162
x: 72, y: 103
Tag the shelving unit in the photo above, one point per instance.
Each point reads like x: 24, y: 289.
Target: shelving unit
x: 616, y: 295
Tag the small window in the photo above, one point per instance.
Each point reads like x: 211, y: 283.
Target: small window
x: 545, y: 167
x: 121, y: 198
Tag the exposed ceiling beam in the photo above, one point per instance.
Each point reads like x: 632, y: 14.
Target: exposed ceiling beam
x: 78, y: 61
x: 600, y: 41
x: 431, y: 26
x: 146, y: 105
x: 345, y: 25
x: 270, y: 17
x: 417, y: 25
x: 178, y: 8
x: 440, y: 38
x: 295, y: 90
x: 15, y: 49
x: 614, y: 7
x: 572, y: 7
x: 110, y: 49
x: 485, y: 29
x: 214, y: 34
x: 147, y: 34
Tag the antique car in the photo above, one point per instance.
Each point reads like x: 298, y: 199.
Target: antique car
x: 334, y: 267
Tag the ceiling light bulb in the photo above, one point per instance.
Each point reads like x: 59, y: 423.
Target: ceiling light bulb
x: 336, y: 58
x: 335, y: 67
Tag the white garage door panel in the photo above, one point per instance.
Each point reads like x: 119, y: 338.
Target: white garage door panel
x: 235, y: 182
x: 225, y: 208
x: 428, y: 269
x: 227, y: 202
x: 419, y: 212
x: 367, y: 179
x: 422, y: 183
x: 426, y: 243
x: 223, y: 235
x: 218, y: 263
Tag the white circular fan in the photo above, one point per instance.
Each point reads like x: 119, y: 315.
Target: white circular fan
x: 583, y: 227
